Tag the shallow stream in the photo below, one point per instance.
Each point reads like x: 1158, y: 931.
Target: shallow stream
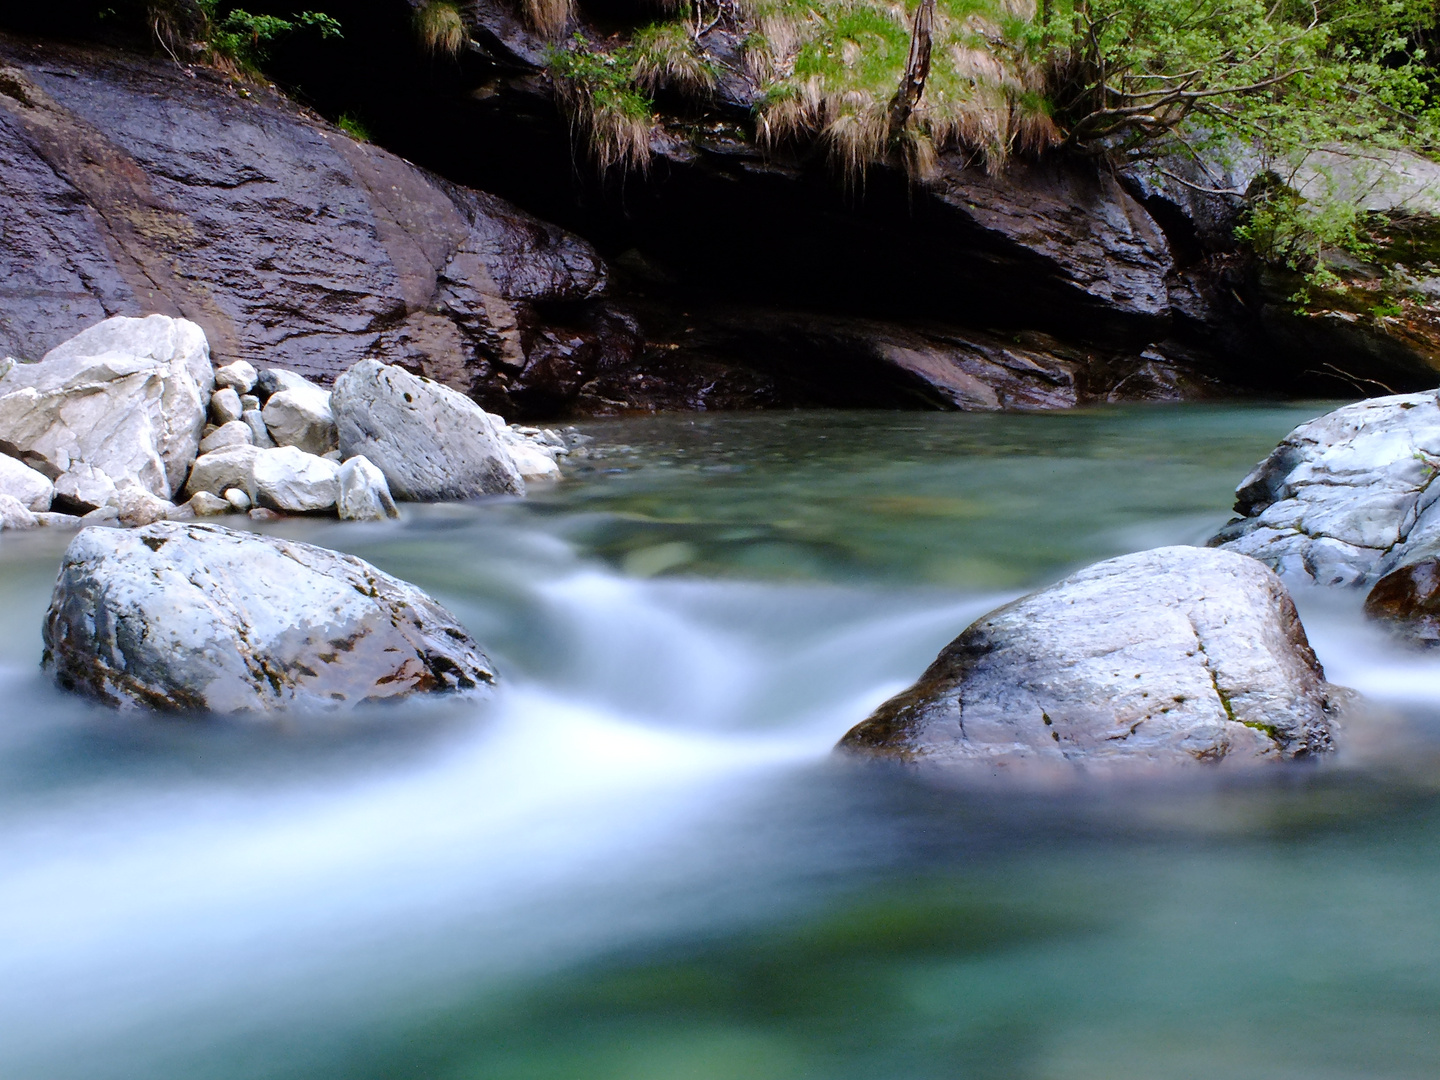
x: 642, y: 862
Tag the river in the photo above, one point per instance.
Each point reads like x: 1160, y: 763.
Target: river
x: 641, y: 861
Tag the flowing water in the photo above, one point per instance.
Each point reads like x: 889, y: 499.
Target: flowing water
x: 641, y: 860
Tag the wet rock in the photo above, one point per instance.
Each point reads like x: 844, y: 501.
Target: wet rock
x: 364, y: 495
x: 1344, y: 497
x: 1171, y: 656
x: 235, y: 433
x: 192, y: 617
x: 33, y: 489
x: 1408, y: 598
x: 225, y: 407
x: 301, y: 417
x: 15, y: 515
x: 288, y: 479
x: 126, y: 398
x: 231, y: 467
x: 432, y: 443
x: 239, y: 376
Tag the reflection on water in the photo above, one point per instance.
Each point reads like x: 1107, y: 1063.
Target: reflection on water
x: 641, y: 861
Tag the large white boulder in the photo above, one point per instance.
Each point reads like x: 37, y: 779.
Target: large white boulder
x: 301, y: 417
x: 16, y: 515
x: 192, y: 617
x: 432, y: 443
x: 126, y: 397
x: 287, y: 478
x: 33, y: 489
x: 1345, y: 496
x: 364, y: 495
x: 1178, y: 655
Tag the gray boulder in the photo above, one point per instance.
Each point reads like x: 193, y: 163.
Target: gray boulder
x: 273, y: 381
x: 225, y: 406
x: 259, y: 433
x: 235, y: 433
x: 432, y: 443
x: 33, y: 489
x: 364, y: 495
x: 301, y: 417
x: 287, y: 478
x: 182, y: 617
x: 221, y: 469
x: 1345, y: 498
x: 16, y: 515
x: 239, y: 376
x: 1172, y: 656
x: 127, y: 398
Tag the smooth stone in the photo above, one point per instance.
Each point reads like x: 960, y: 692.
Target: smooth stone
x: 274, y: 380
x: 239, y: 376
x: 235, y: 433
x: 1173, y: 656
x: 287, y: 478
x: 1343, y: 499
x: 208, y: 504
x: 126, y: 396
x: 261, y: 513
x: 237, y: 499
x: 225, y: 406
x: 259, y: 433
x: 214, y: 472
x: 16, y: 515
x: 32, y: 488
x: 432, y: 443
x: 364, y: 495
x: 1408, y: 600
x: 196, y: 617
x: 301, y: 417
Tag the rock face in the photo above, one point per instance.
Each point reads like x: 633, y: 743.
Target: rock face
x: 1347, y: 497
x: 192, y: 617
x: 1171, y: 656
x: 131, y: 185
x: 121, y: 404
x: 432, y: 443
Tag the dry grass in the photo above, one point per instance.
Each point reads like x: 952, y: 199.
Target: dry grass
x: 440, y: 29
x: 667, y: 57
x: 548, y: 17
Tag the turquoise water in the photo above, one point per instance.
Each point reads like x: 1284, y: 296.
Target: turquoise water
x: 641, y: 861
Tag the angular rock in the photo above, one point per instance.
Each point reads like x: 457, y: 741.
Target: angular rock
x: 126, y: 397
x: 364, y: 495
x: 136, y: 506
x: 85, y: 488
x: 301, y: 417
x: 287, y: 478
x: 259, y: 433
x: 15, y: 515
x: 1345, y: 496
x: 235, y: 433
x: 214, y: 472
x: 208, y: 504
x: 33, y: 489
x: 239, y: 376
x: 192, y: 617
x: 1170, y: 656
x: 432, y: 443
x: 225, y: 406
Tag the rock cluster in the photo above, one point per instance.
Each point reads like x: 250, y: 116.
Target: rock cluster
x: 114, y: 424
x: 1171, y: 656
x: 184, y: 616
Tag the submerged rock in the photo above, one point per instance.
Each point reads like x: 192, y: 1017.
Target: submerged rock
x: 198, y: 617
x: 432, y: 443
x: 1170, y: 656
x: 1345, y: 498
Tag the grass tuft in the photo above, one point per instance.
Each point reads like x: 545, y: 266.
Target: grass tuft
x: 667, y: 57
x: 439, y: 28
x: 608, y: 109
x: 548, y: 17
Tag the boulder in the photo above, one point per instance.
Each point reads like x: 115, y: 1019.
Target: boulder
x: 238, y: 500
x: 364, y: 495
x: 287, y: 478
x: 53, y: 520
x: 33, y: 489
x: 208, y: 504
x: 235, y: 433
x: 126, y: 397
x: 301, y: 417
x: 1408, y: 599
x: 15, y: 515
x: 239, y: 376
x: 1171, y: 656
x: 221, y: 469
x: 1343, y: 497
x: 85, y: 488
x: 273, y: 381
x: 191, y: 617
x: 432, y: 443
x: 225, y: 406
x: 136, y: 506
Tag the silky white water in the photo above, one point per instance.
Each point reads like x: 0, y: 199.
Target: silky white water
x: 642, y: 860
